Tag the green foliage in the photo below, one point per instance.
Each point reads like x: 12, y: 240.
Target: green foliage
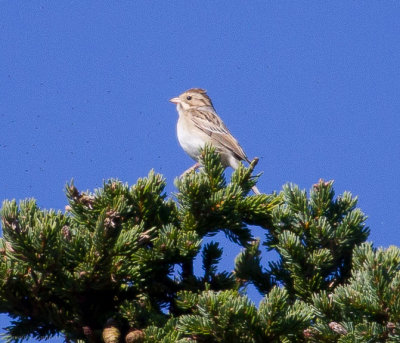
x: 114, y: 252
x: 208, y: 204
x: 368, y: 306
x: 248, y: 268
x: 228, y: 316
x: 315, y: 238
x: 118, y: 264
x: 165, y: 334
x: 68, y: 271
x: 281, y: 320
x: 219, y: 317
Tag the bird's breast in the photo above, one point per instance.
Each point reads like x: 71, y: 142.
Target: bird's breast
x: 190, y: 138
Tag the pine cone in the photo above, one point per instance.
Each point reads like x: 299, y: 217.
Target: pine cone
x: 111, y: 333
x: 135, y: 336
x: 338, y: 328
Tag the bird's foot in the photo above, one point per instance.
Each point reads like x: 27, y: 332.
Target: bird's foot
x: 192, y: 168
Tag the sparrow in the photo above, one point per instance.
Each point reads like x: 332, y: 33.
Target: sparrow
x: 199, y: 124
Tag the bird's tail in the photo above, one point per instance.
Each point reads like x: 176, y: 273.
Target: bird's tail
x: 255, y: 190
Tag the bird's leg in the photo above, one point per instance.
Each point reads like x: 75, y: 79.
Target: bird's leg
x: 194, y: 167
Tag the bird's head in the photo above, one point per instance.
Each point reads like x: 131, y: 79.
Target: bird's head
x: 192, y: 98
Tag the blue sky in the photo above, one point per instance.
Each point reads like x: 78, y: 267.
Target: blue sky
x: 310, y: 87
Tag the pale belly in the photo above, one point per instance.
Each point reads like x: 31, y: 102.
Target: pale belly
x: 189, y: 142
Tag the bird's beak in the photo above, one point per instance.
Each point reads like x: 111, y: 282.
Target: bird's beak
x: 175, y: 100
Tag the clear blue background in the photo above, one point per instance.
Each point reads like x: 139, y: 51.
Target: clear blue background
x: 310, y: 87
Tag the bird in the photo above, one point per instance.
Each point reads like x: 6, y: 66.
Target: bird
x: 199, y: 124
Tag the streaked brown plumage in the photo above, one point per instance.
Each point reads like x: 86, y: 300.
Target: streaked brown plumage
x: 199, y: 124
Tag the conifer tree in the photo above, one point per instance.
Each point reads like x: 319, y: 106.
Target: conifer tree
x: 118, y: 264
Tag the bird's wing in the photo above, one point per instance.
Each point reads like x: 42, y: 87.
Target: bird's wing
x: 208, y: 121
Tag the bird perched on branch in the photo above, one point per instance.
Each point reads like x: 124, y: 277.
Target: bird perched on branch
x: 199, y: 124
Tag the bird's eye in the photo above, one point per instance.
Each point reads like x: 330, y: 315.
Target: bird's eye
x: 189, y: 97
